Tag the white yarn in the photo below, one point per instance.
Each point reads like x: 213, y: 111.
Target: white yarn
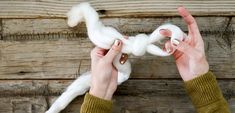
x: 104, y: 37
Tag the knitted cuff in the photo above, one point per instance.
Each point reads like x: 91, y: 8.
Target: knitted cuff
x: 203, y: 90
x: 94, y: 104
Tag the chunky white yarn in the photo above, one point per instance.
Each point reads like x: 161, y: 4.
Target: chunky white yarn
x: 104, y: 37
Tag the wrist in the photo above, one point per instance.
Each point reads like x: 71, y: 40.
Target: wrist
x: 199, y: 68
x: 203, y: 68
x: 101, y: 94
x: 98, y: 92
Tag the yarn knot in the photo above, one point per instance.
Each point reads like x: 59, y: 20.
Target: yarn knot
x: 138, y: 44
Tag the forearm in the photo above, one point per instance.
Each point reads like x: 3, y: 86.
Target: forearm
x: 206, y: 94
x: 92, y: 104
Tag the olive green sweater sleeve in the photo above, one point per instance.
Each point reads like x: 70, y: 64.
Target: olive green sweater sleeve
x: 206, y: 95
x: 92, y: 104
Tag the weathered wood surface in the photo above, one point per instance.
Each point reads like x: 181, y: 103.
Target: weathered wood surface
x: 49, y: 49
x: 163, y: 96
x: 123, y: 25
x: 156, y: 87
x: 19, y: 104
x: 122, y: 104
x: 66, y: 59
x: 40, y: 55
x: 130, y: 8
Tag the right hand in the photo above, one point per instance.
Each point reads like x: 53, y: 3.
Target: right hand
x: 190, y: 54
x: 103, y: 73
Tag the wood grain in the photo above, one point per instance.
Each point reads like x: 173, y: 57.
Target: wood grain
x: 122, y: 104
x: 232, y: 38
x: 126, y: 26
x: 49, y: 49
x: 40, y: 55
x: 117, y: 8
x: 62, y: 58
x: 164, y: 96
x: 147, y: 104
x: 133, y: 87
x: 19, y: 104
x: 37, y: 62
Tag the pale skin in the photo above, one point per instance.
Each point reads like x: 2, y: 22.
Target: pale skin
x: 103, y: 73
x: 189, y: 56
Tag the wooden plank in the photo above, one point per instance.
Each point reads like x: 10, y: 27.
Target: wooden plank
x: 164, y: 96
x: 23, y: 105
x: 117, y: 8
x: 142, y: 104
x: 147, y: 104
x: 131, y: 87
x: 57, y: 51
x: 62, y: 58
x: 122, y: 104
x: 124, y: 25
x: 42, y: 59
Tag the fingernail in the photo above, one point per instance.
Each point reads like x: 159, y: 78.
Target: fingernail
x: 168, y: 50
x: 175, y: 42
x: 161, y: 30
x: 117, y: 42
x: 123, y: 58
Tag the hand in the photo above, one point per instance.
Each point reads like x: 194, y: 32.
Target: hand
x: 190, y: 54
x: 103, y: 73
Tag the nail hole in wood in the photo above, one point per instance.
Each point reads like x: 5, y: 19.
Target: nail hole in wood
x: 101, y: 12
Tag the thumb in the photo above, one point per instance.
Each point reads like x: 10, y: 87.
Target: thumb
x: 113, y: 52
x: 186, y: 49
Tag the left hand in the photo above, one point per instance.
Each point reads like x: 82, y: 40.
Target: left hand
x: 103, y: 73
x: 190, y: 53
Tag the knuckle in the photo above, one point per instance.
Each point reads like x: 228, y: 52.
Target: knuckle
x: 116, y: 49
x: 182, y: 46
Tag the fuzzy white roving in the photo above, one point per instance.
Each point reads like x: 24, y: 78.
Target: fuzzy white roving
x: 104, y: 37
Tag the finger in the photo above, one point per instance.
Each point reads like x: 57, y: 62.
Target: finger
x: 124, y: 56
x: 96, y: 54
x: 113, y: 52
x: 186, y: 49
x: 168, y: 48
x: 165, y: 32
x: 191, y: 22
x: 177, y: 54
